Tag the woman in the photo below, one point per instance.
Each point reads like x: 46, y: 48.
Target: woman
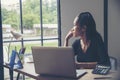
x: 89, y: 47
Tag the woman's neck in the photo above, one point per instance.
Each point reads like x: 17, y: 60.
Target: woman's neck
x: 84, y: 44
x: 84, y: 40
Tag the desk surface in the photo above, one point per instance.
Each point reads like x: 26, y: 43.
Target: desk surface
x: 29, y: 71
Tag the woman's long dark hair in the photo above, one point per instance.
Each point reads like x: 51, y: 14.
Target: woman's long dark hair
x: 86, y: 19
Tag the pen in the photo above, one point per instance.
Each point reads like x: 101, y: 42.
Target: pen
x: 102, y: 77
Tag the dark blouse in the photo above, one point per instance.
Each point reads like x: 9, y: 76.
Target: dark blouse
x: 94, y: 53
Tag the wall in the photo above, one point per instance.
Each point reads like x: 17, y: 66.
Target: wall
x: 114, y: 28
x: 71, y: 8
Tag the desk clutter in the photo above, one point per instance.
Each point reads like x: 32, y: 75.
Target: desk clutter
x: 28, y: 58
x: 16, y: 59
x: 101, y: 69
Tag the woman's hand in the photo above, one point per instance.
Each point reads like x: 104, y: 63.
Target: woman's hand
x: 68, y: 36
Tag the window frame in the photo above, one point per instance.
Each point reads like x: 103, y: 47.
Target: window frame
x: 41, y: 21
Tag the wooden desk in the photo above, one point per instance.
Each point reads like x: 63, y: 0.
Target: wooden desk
x: 29, y: 71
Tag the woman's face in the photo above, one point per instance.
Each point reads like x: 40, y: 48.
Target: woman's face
x: 77, y: 30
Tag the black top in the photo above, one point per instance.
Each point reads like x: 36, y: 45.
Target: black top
x: 94, y: 53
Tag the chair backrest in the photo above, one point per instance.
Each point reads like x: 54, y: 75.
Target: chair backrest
x: 88, y: 65
x: 113, y: 61
x: 85, y: 65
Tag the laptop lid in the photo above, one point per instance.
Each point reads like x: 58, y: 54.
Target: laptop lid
x: 54, y: 61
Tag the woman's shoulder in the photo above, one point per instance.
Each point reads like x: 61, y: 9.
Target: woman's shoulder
x: 98, y: 36
x: 97, y: 39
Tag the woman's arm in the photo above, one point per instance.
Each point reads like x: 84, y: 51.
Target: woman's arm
x: 66, y: 42
x: 68, y: 36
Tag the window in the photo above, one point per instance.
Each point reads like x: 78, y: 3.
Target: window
x: 36, y: 20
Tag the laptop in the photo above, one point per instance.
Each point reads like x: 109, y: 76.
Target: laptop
x: 55, y: 62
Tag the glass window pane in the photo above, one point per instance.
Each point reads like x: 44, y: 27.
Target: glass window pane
x: 10, y: 18
x: 31, y: 19
x: 50, y: 43
x: 49, y: 17
x: 29, y: 44
x: 25, y: 19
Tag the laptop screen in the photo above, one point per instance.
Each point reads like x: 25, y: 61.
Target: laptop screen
x: 56, y: 61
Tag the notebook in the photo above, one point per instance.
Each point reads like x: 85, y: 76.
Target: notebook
x: 55, y: 62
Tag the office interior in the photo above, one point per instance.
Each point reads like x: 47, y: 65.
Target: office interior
x: 106, y: 16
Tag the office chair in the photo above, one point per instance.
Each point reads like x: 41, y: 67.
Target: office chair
x: 113, y: 62
x: 91, y: 65
x: 85, y: 65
